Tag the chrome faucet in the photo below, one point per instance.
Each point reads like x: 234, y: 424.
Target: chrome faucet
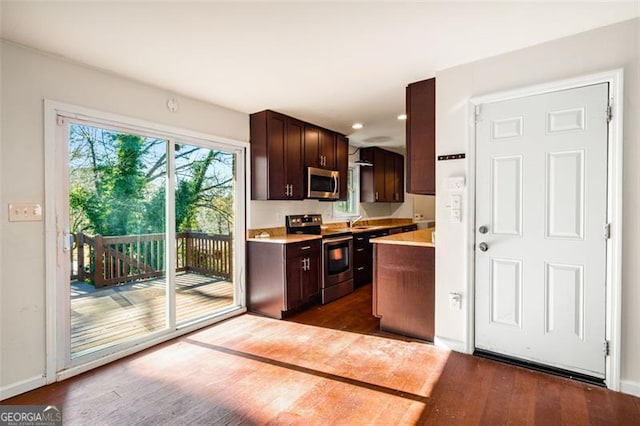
x: 353, y: 221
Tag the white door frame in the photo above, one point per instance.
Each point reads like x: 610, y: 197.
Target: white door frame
x: 53, y: 282
x: 614, y: 206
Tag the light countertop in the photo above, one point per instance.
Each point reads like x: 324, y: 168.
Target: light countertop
x: 420, y: 238
x: 286, y: 239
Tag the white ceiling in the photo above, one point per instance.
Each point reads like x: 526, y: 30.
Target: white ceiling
x: 330, y: 63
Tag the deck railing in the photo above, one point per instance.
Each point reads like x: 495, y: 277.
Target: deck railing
x: 114, y: 260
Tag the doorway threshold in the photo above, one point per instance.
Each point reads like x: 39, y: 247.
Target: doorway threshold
x: 560, y: 372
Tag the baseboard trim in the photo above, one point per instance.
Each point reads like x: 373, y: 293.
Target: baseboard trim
x: 21, y: 387
x: 451, y: 344
x: 629, y: 387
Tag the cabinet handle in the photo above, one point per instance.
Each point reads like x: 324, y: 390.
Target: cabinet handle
x: 305, y: 248
x: 376, y: 195
x: 360, y: 239
x: 306, y: 264
x: 360, y: 268
x: 290, y: 190
x: 360, y: 249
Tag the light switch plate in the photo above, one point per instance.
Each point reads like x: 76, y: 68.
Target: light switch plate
x: 455, y: 216
x: 455, y: 201
x: 455, y: 183
x: 25, y: 212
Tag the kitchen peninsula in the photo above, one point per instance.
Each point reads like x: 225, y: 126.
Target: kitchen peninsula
x: 404, y: 283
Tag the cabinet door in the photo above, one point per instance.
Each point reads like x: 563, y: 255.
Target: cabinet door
x: 342, y: 164
x: 295, y: 275
x: 294, y: 161
x: 421, y: 137
x: 311, y: 278
x: 380, y: 176
x: 389, y: 177
x: 311, y: 146
x: 328, y: 150
x: 276, y: 148
x: 398, y: 187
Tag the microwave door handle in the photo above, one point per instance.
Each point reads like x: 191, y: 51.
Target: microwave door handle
x: 335, y: 184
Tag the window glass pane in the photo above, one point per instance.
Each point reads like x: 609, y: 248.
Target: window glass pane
x: 349, y: 207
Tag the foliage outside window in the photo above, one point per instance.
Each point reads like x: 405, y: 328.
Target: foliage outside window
x: 349, y: 207
x: 118, y: 183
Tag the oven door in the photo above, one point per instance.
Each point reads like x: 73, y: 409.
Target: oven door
x: 337, y: 260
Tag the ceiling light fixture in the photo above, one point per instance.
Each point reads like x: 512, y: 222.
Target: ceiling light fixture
x: 357, y: 126
x: 402, y: 117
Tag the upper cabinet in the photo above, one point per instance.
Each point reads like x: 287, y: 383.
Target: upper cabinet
x: 342, y: 163
x: 277, y: 143
x: 384, y: 181
x: 319, y: 148
x: 421, y: 137
x: 283, y: 147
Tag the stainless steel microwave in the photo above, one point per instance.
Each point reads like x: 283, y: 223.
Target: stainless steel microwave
x: 323, y: 184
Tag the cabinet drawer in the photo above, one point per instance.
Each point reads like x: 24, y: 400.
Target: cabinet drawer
x: 303, y: 248
x: 362, y: 258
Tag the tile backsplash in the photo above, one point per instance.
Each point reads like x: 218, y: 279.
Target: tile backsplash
x: 265, y: 214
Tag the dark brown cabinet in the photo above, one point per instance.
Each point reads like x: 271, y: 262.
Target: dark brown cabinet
x: 404, y: 289
x: 282, y: 277
x: 319, y: 148
x: 342, y: 163
x: 276, y: 157
x: 421, y: 137
x: 283, y: 147
x: 363, y: 252
x: 384, y: 181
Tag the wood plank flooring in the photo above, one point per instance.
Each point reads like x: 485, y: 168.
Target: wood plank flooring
x: 328, y: 365
x: 106, y: 316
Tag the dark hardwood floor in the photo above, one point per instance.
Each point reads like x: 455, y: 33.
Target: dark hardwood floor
x: 328, y: 365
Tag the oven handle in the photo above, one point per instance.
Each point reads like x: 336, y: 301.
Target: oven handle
x: 337, y: 240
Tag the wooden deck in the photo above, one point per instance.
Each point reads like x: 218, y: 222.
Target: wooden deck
x: 102, y: 317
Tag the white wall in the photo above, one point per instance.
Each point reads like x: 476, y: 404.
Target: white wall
x: 603, y: 49
x: 28, y: 77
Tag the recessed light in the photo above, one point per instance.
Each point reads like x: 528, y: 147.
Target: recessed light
x: 357, y: 126
x: 402, y: 117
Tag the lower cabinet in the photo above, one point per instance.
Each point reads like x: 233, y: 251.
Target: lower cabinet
x: 282, y: 278
x: 363, y: 252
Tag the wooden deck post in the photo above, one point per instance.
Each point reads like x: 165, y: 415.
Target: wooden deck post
x: 189, y: 246
x: 98, y: 278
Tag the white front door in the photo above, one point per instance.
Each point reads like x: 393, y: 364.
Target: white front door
x: 541, y: 194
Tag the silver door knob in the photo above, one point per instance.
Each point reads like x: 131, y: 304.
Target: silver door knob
x: 483, y: 229
x: 483, y: 246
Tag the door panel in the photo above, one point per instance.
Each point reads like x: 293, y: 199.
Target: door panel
x: 541, y: 164
x: 565, y: 194
x: 506, y: 204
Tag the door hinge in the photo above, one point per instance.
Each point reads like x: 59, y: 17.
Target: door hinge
x: 607, y: 231
x: 609, y: 112
x: 606, y: 348
x: 477, y: 114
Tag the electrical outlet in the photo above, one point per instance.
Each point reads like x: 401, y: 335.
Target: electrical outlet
x: 25, y: 212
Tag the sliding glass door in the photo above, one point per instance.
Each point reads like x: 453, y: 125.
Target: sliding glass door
x: 149, y: 223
